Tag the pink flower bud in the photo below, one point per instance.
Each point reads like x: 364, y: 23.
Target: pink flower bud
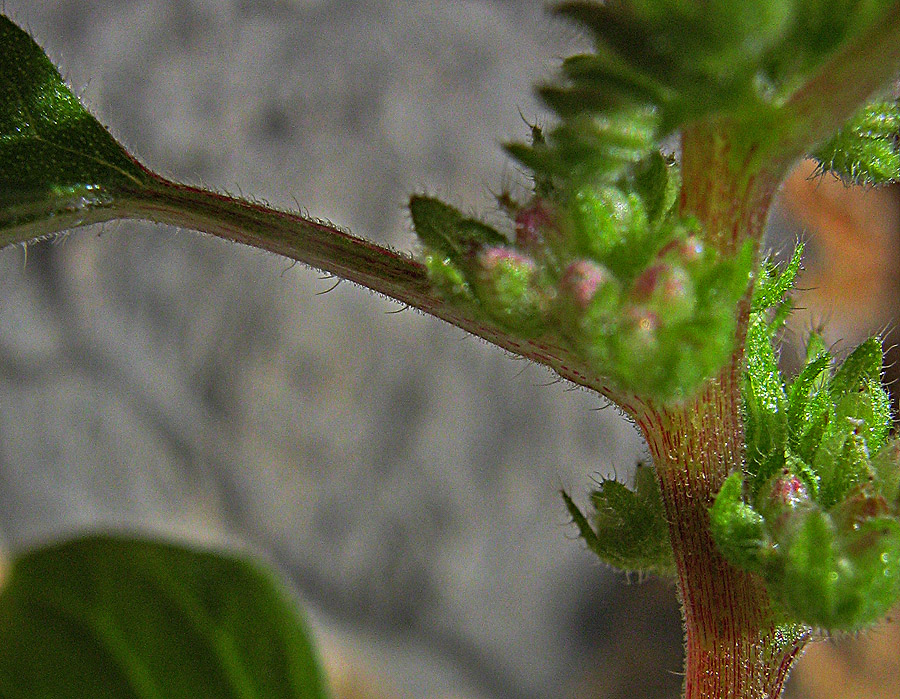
x: 665, y: 289
x: 581, y: 281
x: 532, y: 224
x: 783, y: 496
x: 787, y: 491
x: 508, y: 285
x: 684, y: 251
x: 861, y: 503
x: 648, y: 281
x: 490, y: 258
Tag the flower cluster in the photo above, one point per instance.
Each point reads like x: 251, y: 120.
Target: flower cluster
x: 599, y: 257
x: 817, y: 510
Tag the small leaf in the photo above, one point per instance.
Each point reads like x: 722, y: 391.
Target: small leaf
x: 55, y: 158
x: 765, y: 406
x: 803, y: 390
x: 735, y: 526
x: 773, y: 283
x: 446, y: 230
x: 630, y: 529
x: 586, y: 150
x: 861, y: 367
x: 658, y: 182
x: 104, y: 616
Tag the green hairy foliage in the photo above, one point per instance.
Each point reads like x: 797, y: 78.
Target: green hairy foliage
x: 690, y: 59
x: 817, y: 510
x: 867, y: 149
x: 628, y: 528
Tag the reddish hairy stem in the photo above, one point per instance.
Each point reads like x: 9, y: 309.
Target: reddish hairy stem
x: 333, y: 250
x: 734, y: 647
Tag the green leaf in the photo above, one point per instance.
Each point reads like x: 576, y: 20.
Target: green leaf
x: 865, y: 150
x: 55, y: 158
x: 446, y: 230
x: 103, y: 616
x: 630, y: 529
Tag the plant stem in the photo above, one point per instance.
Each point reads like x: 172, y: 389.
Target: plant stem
x: 328, y: 248
x: 735, y: 647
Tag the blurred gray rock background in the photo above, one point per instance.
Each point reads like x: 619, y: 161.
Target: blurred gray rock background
x: 402, y: 476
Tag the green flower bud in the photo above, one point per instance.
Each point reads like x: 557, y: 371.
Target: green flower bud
x: 605, y: 222
x: 507, y: 283
x: 658, y: 181
x: 447, y: 277
x: 841, y: 462
x: 587, y: 308
x: 736, y: 527
x: 588, y: 288
x: 667, y: 290
x: 637, y: 340
x: 682, y: 251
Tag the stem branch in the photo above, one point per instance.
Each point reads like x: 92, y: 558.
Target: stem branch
x: 840, y: 86
x: 332, y: 250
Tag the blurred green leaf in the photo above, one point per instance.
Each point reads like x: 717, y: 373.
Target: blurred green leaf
x: 104, y: 616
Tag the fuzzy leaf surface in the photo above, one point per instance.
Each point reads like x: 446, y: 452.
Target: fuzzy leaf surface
x: 867, y: 149
x: 629, y: 529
